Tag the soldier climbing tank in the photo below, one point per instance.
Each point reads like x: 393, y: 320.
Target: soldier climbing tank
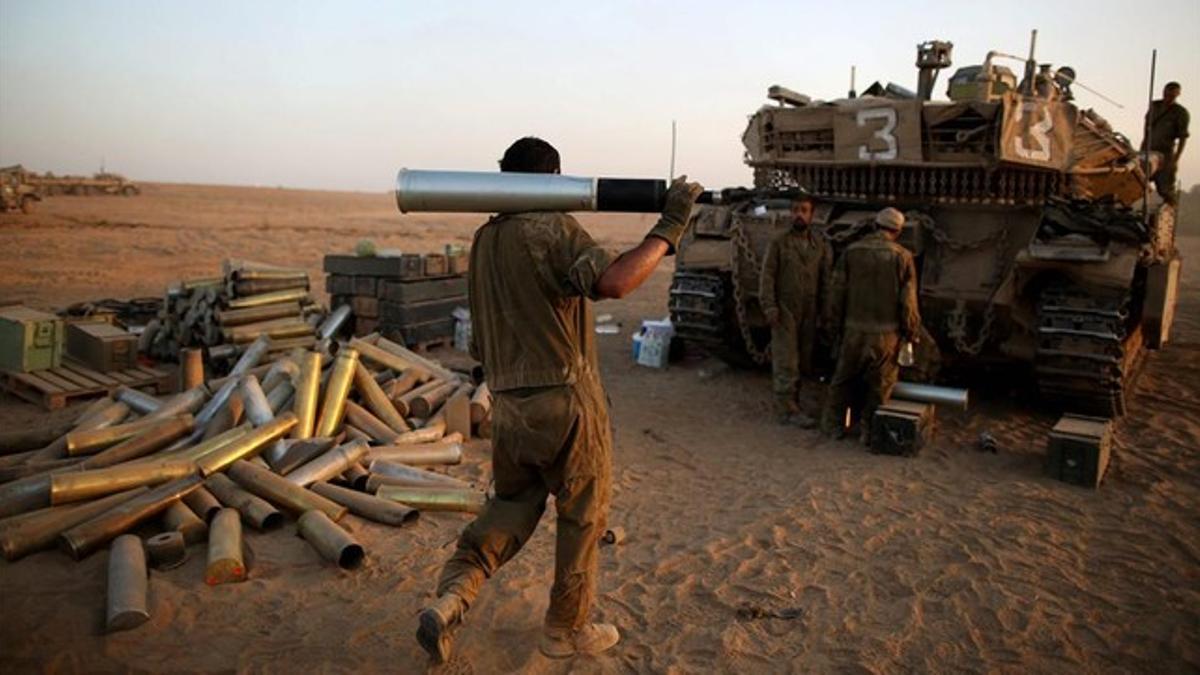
x: 1035, y: 241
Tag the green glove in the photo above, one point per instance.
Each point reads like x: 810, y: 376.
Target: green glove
x: 677, y: 212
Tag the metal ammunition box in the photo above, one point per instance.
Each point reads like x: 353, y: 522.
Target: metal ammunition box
x: 365, y: 307
x: 412, y: 266
x: 1079, y: 449
x: 457, y: 264
x: 29, y: 339
x: 392, y: 267
x: 368, y: 286
x: 901, y: 428
x: 435, y: 265
x: 102, y: 346
x: 404, y: 314
x: 418, y: 291
x: 339, y: 284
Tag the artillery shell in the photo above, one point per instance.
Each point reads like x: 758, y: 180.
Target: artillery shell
x: 24, y: 534
x: 299, y: 453
x: 329, y: 464
x: 446, y: 451
x: 435, y: 499
x: 481, y: 403
x: 308, y: 390
x: 356, y: 476
x: 202, y: 503
x: 422, y: 435
x: 75, y: 486
x: 91, y: 440
x: 191, y: 368
x: 138, y: 401
x: 257, y: 512
x: 404, y: 403
x: 247, y: 445
x: 334, y: 322
x: 280, y: 492
x: 376, y: 400
x: 332, y: 542
x: 257, y: 410
x: 24, y: 494
x: 188, y: 401
x: 239, y: 317
x: 391, y: 473
x: 369, y: 506
x: 127, y: 584
x: 334, y: 407
x: 225, y: 562
x: 274, y: 297
x: 145, y: 442
x: 425, y: 404
x: 376, y: 355
x: 87, y: 536
x: 179, y: 518
x: 167, y: 550
x: 408, y: 380
x: 374, y: 427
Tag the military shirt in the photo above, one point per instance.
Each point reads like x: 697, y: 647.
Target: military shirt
x: 875, y: 288
x: 796, y: 272
x: 1167, y: 124
x: 529, y: 282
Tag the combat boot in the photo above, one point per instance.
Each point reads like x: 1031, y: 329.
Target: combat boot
x: 799, y: 419
x: 437, y: 623
x: 590, y: 640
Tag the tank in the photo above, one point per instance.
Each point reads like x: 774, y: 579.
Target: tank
x: 1037, y: 242
x: 17, y: 192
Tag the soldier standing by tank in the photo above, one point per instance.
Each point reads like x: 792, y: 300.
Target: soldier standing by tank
x: 531, y: 278
x: 873, y: 300
x: 1168, y: 123
x: 792, y: 290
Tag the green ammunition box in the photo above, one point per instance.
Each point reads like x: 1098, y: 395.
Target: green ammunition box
x: 901, y: 428
x: 365, y: 307
x: 29, y: 339
x: 435, y: 265
x: 102, y: 346
x: 1079, y: 449
x: 406, y: 292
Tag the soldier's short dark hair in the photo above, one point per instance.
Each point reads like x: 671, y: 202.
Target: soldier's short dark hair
x: 531, y: 155
x: 1172, y: 85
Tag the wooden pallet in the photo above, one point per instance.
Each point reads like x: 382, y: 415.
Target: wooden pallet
x: 55, y: 387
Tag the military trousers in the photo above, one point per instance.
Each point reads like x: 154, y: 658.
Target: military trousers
x: 793, y: 339
x: 1164, y: 181
x: 545, y: 441
x: 867, y: 365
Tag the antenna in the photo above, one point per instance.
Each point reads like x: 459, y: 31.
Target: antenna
x: 671, y: 173
x: 1146, y: 142
x: 1030, y: 64
x: 853, y: 73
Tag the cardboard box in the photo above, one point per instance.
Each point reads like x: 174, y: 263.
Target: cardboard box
x: 29, y: 339
x: 102, y: 346
x: 1078, y: 450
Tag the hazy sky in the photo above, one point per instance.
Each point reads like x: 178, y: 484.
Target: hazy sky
x: 340, y: 95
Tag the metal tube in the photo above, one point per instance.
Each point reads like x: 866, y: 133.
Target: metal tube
x: 103, y: 417
x: 332, y: 542
x: 488, y: 192
x: 423, y: 435
x: 92, y: 440
x: 179, y: 518
x: 334, y: 407
x: 374, y: 427
x: 419, y: 454
x: 423, y: 406
x: 184, y: 402
x: 191, y: 368
x: 86, y: 537
x: 225, y: 562
x: 422, y: 362
x: 283, y: 370
x: 228, y: 318
x: 376, y: 401
x: 369, y: 506
x: 356, y: 476
x: 77, y: 486
x: 393, y: 473
x: 280, y: 396
x: 279, y: 491
x: 258, y: 411
x: 213, y: 444
x: 138, y: 401
x: 308, y: 390
x: 127, y: 581
x: 246, y: 287
x: 928, y: 393
x: 405, y: 402
x: 264, y: 273
x: 257, y: 512
x: 146, y: 442
x: 248, y: 360
x: 24, y: 494
x: 333, y: 323
x: 435, y: 499
x: 276, y: 329
x: 24, y: 534
x: 22, y: 440
x: 481, y: 403
x: 202, y: 503
x: 386, y: 359
x: 329, y: 464
x: 246, y: 446
x: 405, y: 383
x: 289, y: 295
x: 299, y: 452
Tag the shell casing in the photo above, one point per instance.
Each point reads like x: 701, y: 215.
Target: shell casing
x: 419, y: 361
x: 285, y: 345
x: 99, y: 418
x: 377, y: 401
x: 308, y: 390
x: 403, y: 384
x: 332, y: 542
x: 257, y: 409
x: 391, y: 473
x: 376, y: 355
x: 202, y: 503
x: 405, y: 401
x: 255, y: 511
x: 299, y: 452
x: 138, y: 401
x: 91, y: 440
x: 356, y: 476
x: 334, y: 322
x: 282, y: 370
x: 248, y: 360
x: 25, y: 534
x: 191, y: 368
x: 184, y: 402
x: 225, y: 564
x: 145, y: 442
x: 228, y: 417
x: 425, y: 404
x: 271, y: 298
x: 229, y: 318
x: 420, y: 454
x: 246, y: 445
x: 265, y: 273
x: 275, y: 328
x: 330, y: 464
x: 334, y: 407
x: 435, y: 499
x: 76, y: 486
x: 369, y: 506
x: 179, y: 518
x: 210, y: 445
x: 82, y: 539
x: 127, y: 581
x: 362, y: 419
x: 481, y: 403
x: 426, y: 434
x: 281, y: 492
x: 166, y: 550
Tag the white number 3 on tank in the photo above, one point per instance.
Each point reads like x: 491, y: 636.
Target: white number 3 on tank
x: 1038, y: 133
x: 884, y: 133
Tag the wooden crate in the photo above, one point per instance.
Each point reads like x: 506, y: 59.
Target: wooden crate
x: 53, y: 388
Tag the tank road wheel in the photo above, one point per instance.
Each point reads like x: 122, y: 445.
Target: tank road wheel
x: 703, y: 313
x: 1089, y: 350
x: 27, y: 204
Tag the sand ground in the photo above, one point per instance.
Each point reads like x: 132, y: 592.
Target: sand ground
x: 954, y: 561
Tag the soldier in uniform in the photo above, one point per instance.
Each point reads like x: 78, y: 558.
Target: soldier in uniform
x: 792, y: 291
x: 874, y: 300
x: 532, y: 277
x: 1168, y: 135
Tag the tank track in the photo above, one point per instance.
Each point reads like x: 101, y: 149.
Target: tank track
x: 1088, y: 356
x: 702, y: 312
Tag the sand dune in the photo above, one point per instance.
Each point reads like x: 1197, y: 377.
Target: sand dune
x: 751, y: 548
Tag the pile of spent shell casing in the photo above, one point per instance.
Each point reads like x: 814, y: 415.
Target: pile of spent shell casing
x: 365, y: 427
x: 225, y: 313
